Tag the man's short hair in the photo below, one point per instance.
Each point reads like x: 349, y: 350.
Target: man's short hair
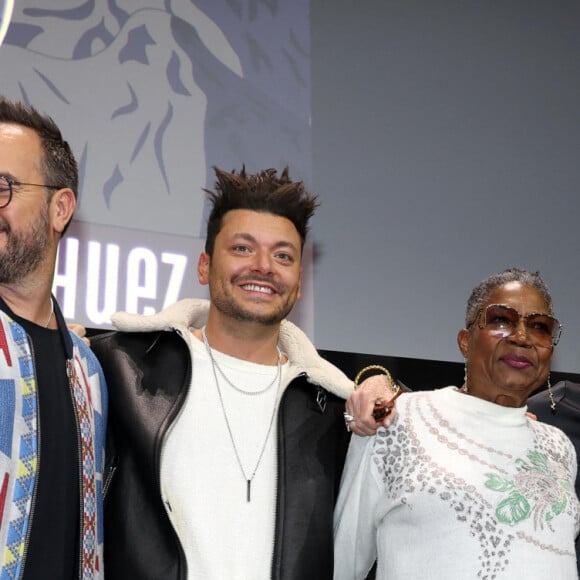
x: 265, y: 192
x: 58, y: 165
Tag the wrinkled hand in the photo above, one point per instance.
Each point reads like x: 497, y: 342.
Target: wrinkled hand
x: 361, y: 403
x: 80, y: 331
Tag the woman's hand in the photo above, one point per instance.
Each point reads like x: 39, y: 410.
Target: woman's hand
x: 361, y: 404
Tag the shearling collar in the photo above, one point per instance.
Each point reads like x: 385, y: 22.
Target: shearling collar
x: 193, y: 312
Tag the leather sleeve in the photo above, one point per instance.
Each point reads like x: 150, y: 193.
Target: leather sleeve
x: 312, y: 447
x: 148, y: 375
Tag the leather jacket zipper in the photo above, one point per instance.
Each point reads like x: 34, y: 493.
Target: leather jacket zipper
x: 281, y: 466
x: 108, y: 480
x: 159, y: 456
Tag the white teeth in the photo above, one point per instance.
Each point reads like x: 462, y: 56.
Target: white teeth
x: 256, y: 288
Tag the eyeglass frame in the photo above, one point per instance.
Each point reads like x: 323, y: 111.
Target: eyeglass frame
x: 13, y: 182
x: 555, y: 338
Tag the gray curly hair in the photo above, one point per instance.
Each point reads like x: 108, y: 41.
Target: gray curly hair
x: 481, y: 292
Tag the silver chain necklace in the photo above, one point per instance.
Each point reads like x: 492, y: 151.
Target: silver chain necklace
x: 278, y: 376
x: 235, y: 387
x: 51, y: 313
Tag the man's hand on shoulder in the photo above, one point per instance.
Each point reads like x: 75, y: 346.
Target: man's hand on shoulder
x: 80, y: 331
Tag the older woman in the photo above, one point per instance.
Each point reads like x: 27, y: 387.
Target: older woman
x: 463, y: 484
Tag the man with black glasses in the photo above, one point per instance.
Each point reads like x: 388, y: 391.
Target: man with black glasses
x: 52, y: 391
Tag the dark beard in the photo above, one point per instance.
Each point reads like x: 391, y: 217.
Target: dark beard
x: 226, y: 304
x: 24, y: 252
x: 231, y: 309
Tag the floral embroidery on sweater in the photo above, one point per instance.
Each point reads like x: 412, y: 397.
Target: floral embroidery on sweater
x: 531, y: 492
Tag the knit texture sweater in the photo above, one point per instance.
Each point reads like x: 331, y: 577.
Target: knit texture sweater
x: 199, y: 455
x: 458, y: 487
x: 20, y: 435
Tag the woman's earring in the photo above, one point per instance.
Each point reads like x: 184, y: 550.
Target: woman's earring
x: 551, y: 396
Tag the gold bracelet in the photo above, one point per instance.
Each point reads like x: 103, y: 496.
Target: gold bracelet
x: 376, y: 368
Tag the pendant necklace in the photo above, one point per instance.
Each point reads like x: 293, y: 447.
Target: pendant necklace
x: 277, y: 378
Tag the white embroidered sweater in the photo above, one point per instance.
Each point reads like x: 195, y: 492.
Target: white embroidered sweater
x: 458, y: 488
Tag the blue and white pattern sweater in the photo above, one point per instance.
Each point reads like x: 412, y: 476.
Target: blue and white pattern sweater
x: 19, y: 445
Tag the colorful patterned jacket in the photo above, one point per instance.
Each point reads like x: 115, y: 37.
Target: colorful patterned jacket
x: 19, y: 437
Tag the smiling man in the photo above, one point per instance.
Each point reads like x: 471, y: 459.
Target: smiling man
x: 228, y: 428
x: 52, y: 392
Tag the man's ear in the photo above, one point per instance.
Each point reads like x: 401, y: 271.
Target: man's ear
x: 203, y: 268
x: 62, y: 207
x: 463, y: 339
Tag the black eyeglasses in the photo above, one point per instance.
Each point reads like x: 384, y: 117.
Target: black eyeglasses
x: 7, y: 188
x: 503, y: 321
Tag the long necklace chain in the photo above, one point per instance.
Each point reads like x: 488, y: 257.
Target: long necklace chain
x: 215, y: 366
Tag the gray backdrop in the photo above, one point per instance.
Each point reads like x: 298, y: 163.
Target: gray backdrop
x: 446, y: 142
x: 441, y: 135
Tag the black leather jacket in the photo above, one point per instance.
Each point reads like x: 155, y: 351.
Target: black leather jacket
x: 148, y: 376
